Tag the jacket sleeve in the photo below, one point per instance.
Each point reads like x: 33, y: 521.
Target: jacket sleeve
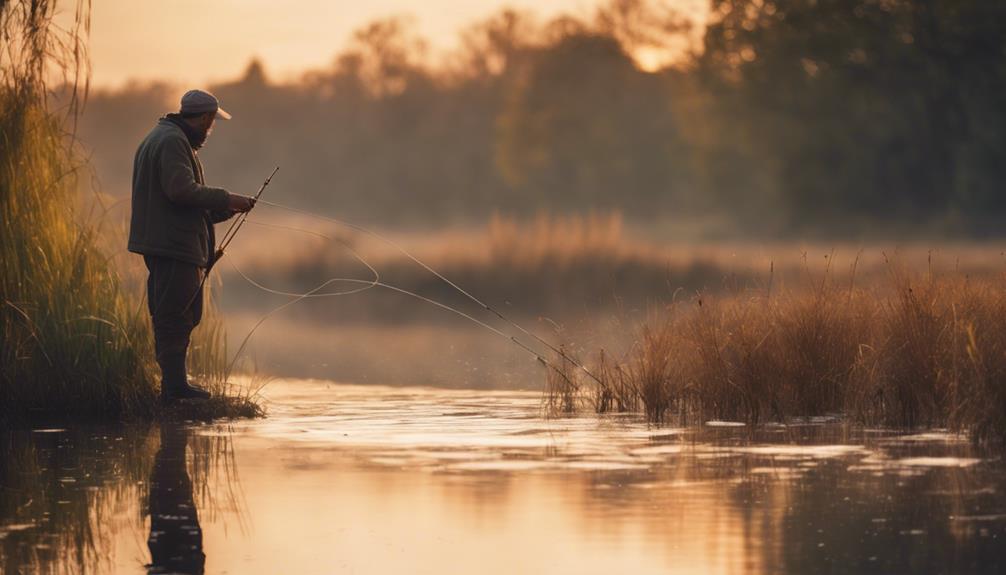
x: 217, y: 216
x: 179, y: 183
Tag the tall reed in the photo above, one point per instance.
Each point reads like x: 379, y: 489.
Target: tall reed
x: 72, y: 342
x: 921, y: 352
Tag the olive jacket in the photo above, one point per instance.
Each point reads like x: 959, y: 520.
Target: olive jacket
x: 173, y: 210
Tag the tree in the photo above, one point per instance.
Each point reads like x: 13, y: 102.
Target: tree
x: 584, y: 127
x: 860, y: 105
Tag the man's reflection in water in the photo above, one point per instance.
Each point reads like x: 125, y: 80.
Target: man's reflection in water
x: 176, y: 539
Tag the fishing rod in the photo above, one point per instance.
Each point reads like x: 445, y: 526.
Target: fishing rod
x: 228, y: 238
x: 440, y: 276
x: 240, y: 221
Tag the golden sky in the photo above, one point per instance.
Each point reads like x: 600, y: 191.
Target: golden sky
x: 198, y: 41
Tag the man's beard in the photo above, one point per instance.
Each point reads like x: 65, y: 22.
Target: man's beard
x: 199, y: 136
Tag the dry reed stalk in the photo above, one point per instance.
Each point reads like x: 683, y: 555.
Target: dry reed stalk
x: 929, y: 352
x: 562, y: 385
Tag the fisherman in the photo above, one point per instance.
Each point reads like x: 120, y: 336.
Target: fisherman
x: 172, y: 228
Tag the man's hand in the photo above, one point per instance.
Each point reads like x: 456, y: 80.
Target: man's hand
x: 239, y: 204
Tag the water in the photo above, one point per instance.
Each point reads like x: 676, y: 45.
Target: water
x: 353, y: 479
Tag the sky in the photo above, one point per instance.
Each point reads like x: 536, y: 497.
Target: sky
x: 198, y: 42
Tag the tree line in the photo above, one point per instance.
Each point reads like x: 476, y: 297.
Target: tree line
x: 813, y: 117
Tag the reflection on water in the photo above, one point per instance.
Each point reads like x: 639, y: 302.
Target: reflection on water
x: 176, y: 539
x: 375, y: 480
x: 59, y: 492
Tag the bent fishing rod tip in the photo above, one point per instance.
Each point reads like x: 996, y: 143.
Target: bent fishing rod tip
x: 272, y: 174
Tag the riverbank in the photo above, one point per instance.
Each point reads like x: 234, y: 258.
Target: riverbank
x: 557, y: 266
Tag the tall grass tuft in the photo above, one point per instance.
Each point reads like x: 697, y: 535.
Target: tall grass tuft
x: 615, y: 389
x: 563, y: 385
x: 921, y: 352
x: 72, y: 342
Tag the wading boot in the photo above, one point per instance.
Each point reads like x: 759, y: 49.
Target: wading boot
x: 188, y: 391
x: 174, y: 382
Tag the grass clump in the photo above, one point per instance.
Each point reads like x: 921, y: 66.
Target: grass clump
x: 69, y: 338
x: 72, y: 342
x: 927, y: 352
x: 563, y: 386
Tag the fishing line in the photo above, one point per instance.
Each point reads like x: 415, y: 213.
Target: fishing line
x: 440, y: 276
x: 298, y: 297
x: 367, y: 284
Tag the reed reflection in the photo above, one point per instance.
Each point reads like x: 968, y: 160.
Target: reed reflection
x: 176, y: 537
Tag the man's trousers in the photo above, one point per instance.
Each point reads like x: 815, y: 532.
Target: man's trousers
x: 175, y: 301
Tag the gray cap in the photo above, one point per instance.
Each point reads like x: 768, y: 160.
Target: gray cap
x: 200, y: 102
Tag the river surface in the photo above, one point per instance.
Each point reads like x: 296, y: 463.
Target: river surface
x: 366, y: 479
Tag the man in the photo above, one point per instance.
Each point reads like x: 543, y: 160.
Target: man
x: 172, y: 227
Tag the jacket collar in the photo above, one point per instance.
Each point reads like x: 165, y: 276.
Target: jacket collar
x: 195, y: 138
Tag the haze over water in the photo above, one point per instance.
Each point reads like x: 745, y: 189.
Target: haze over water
x: 368, y: 479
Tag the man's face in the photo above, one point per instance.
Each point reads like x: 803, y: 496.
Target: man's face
x: 204, y: 125
x: 206, y: 122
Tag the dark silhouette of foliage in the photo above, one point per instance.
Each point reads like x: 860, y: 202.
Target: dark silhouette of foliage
x: 817, y: 117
